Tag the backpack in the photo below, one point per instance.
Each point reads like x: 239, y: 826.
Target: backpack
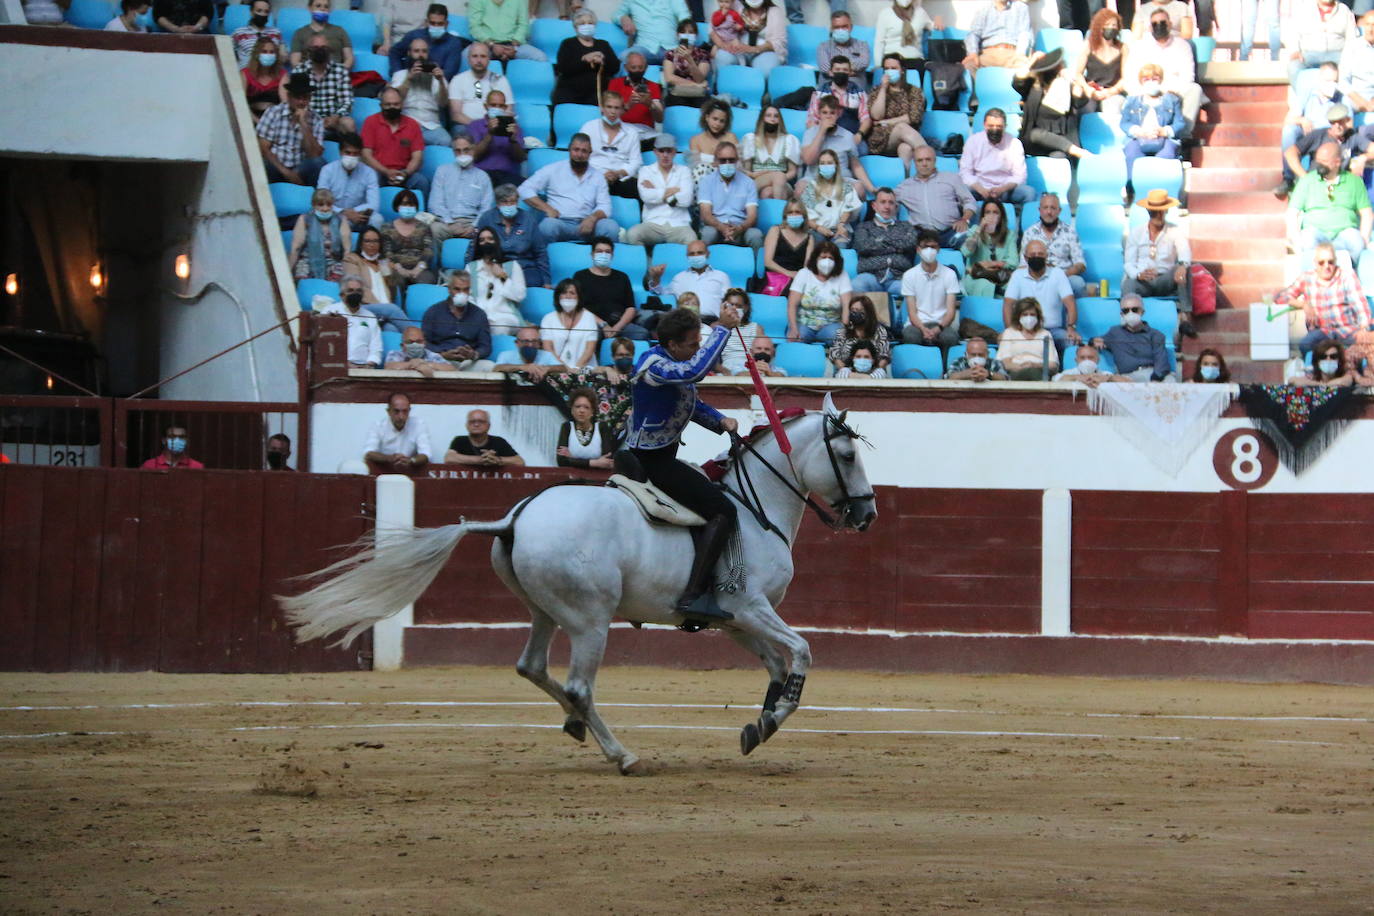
x: 946, y: 82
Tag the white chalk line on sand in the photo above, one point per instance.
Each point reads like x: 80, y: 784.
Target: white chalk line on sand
x: 926, y: 710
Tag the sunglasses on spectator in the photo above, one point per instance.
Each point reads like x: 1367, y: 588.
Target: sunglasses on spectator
x: 1324, y: 261
x: 1133, y: 308
x: 723, y: 161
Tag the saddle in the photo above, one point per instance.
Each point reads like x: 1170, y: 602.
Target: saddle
x: 654, y: 504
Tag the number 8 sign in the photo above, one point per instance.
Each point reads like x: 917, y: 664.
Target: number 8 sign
x: 1245, y: 459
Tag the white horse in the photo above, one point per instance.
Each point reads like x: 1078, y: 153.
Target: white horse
x: 579, y: 555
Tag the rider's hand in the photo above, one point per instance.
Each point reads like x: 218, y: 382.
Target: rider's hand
x: 729, y: 425
x: 729, y: 316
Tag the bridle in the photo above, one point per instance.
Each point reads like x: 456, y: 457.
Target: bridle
x: 833, y: 428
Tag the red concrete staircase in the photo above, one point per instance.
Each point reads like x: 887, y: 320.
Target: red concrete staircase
x: 1236, y: 224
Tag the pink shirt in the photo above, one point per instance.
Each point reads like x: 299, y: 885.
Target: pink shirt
x: 992, y: 166
x: 1175, y: 58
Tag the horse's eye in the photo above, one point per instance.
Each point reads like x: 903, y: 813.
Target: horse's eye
x: 848, y: 459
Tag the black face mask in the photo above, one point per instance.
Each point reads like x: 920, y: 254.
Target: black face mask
x: 276, y: 460
x: 624, y: 363
x: 1322, y: 170
x: 634, y: 79
x: 995, y: 137
x: 489, y: 251
x: 856, y: 319
x: 353, y: 300
x: 840, y: 79
x: 1036, y: 263
x: 391, y: 114
x: 258, y: 22
x: 1111, y: 34
x: 763, y: 357
x: 319, y: 55
x: 1159, y: 30
x: 770, y: 128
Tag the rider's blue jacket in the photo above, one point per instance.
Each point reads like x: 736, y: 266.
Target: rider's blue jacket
x: 664, y: 394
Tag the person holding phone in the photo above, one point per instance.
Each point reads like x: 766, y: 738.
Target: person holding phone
x: 498, y: 145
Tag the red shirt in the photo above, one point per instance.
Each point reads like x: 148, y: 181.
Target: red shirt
x: 161, y: 463
x: 392, y: 148
x: 636, y: 114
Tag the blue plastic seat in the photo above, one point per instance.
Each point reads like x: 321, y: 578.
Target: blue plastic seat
x: 1101, y: 179
x: 538, y: 303
x: 1097, y: 316
x: 1204, y: 46
x: 1068, y: 39
x: 531, y: 80
x: 744, y: 83
x: 568, y: 120
x: 946, y: 163
x: 363, y: 108
x: 361, y: 28
x: 984, y: 310
x: 849, y: 258
x: 614, y: 36
x: 291, y: 19
x: 1100, y: 225
x: 883, y: 171
x: 567, y: 258
x: 1030, y: 214
x: 734, y: 260
x: 1104, y: 262
x: 631, y: 260
x: 420, y: 296
x: 803, y: 42
x: 235, y: 17
x: 547, y: 34
x: 625, y: 211
x: 307, y: 290
x: 366, y: 60
x: 673, y: 257
x: 1097, y: 134
x: 535, y: 121
x: 387, y: 195
x: 782, y: 80
x: 771, y: 313
x: 992, y: 87
x: 289, y: 199
x: 500, y: 343
x: 391, y: 341
x: 453, y: 254
x: 603, y: 352
x: 1046, y: 174
x: 770, y: 212
x: 538, y: 158
x: 937, y: 125
x: 951, y: 258
x: 801, y: 360
x: 1162, y: 315
x: 794, y: 121
x: 331, y: 150
x: 458, y: 25
x: 913, y: 361
x: 682, y: 121
x: 432, y: 158
x: 1150, y: 172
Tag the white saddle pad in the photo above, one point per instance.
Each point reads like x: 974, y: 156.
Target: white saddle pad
x: 656, y: 505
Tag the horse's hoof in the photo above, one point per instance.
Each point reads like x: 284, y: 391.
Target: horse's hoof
x: 748, y: 738
x: 768, y: 726
x: 576, y: 729
x: 633, y: 767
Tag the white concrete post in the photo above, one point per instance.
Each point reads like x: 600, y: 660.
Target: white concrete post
x: 395, y: 513
x: 1056, y: 562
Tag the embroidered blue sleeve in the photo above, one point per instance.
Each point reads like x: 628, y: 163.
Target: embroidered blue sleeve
x: 672, y: 372
x: 707, y: 416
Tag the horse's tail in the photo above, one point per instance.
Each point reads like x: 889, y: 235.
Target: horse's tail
x: 377, y: 580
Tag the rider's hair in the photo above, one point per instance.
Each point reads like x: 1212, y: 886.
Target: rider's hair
x: 676, y: 325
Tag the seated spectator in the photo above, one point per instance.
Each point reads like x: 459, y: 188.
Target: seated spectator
x: 246, y: 37
x: 185, y: 17
x: 608, y: 294
x: 852, y: 99
x: 1064, y: 249
x: 480, y: 448
x: 641, y: 98
x: 764, y: 353
x: 764, y: 42
x: 459, y: 194
x: 415, y: 355
x: 651, y: 26
x: 1174, y: 57
x: 666, y: 193
x: 830, y: 201
x: 1315, y: 33
x: 399, y: 444
x: 445, y: 48
x: 862, y: 363
x: 819, y: 297
x: 364, y: 330
x: 498, y: 283
x: 936, y: 200
x: 43, y: 12
x: 897, y: 107
x: 527, y: 356
x: 993, y: 164
x: 319, y: 240
x: 395, y: 19
x: 1329, y: 204
x: 458, y: 330
x: 1037, y: 279
x: 842, y: 43
x: 931, y: 292
x: 1309, y: 113
x: 367, y: 262
x: 570, y: 331
x: 356, y: 194
x: 264, y: 80
x: 1357, y: 66
x: 901, y: 29
x: 173, y: 454
x: 1180, y: 18
x: 1211, y: 368
x: 336, y: 38
x: 1151, y: 119
x: 742, y: 340
x: 687, y: 68
x: 1137, y: 349
x: 519, y: 233
x: 861, y: 327
x: 622, y: 360
x: 786, y: 249
x: 990, y: 252
x: 291, y: 136
x: 772, y: 156
x: 1086, y: 371
x: 1158, y: 258
x: 424, y: 92
x: 1001, y: 36
x: 1099, y: 69
x: 578, y: 205
x: 331, y: 88
x: 498, y: 143
x: 715, y: 121
x: 976, y: 365
x: 1331, y: 300
x: 133, y: 17
x: 467, y: 92
x: 1026, y: 349
x: 826, y: 134
x: 1049, y: 125
x: 884, y: 245
x: 700, y: 278
x: 279, y: 452
x: 1332, y: 367
x: 504, y: 28
x: 727, y: 26
x: 409, y: 244
x: 1352, y: 146
x: 394, y: 145
x: 583, y: 442
x: 585, y: 63
x: 728, y: 203
x: 615, y: 147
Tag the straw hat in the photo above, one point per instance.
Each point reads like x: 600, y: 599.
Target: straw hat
x: 1158, y: 199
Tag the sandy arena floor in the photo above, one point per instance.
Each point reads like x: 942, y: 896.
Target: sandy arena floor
x: 365, y: 793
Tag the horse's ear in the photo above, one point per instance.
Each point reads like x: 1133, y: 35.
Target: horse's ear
x: 828, y: 406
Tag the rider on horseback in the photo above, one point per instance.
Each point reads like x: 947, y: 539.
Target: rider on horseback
x: 664, y: 401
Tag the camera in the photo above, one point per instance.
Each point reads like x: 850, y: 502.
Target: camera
x: 427, y: 65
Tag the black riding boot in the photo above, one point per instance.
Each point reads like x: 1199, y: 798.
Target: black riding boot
x: 697, y: 601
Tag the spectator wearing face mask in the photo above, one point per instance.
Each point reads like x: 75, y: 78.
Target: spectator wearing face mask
x: 993, y: 164
x: 772, y: 156
x: 1352, y: 147
x: 331, y: 88
x: 367, y: 262
x: 1333, y: 367
x: 279, y: 452
x: 498, y: 143
x: 173, y: 454
x: 364, y: 330
x: 1175, y: 59
x: 1331, y: 298
x: 862, y: 363
x: 409, y: 243
x: 570, y: 332
x: 608, y: 294
x: 585, y: 63
x: 1329, y: 204
x: 1137, y: 349
x: 1055, y: 306
x: 615, y: 147
x: 394, y: 145
x: 861, y: 325
x: 819, y: 297
x: 643, y: 98
x: 415, y: 355
x: 729, y: 203
x: 246, y: 36
x: 460, y: 193
x: 518, y: 230
x: 584, y: 441
x: 842, y: 43
x: 445, y: 48
x: 186, y: 17
x: 931, y: 293
x: 319, y: 240
x: 572, y: 195
x: 1061, y: 243
x: 498, y: 283
x: 1180, y: 18
x: 742, y: 340
x: 764, y: 353
x: 263, y: 78
x: 884, y: 245
x: 853, y: 99
x: 528, y: 356
x: 1087, y: 370
x: 708, y: 283
x: 622, y: 360
x: 1151, y: 120
x: 787, y: 249
x: 976, y: 365
x: 1210, y: 368
x: 335, y: 38
x: 356, y: 193
x: 1026, y: 348
x: 458, y: 330
x: 897, y: 107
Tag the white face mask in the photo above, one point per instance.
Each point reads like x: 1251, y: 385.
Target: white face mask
x: 904, y: 3
x: 977, y: 362
x: 825, y: 265
x: 930, y: 255
x: 567, y: 305
x: 459, y: 299
x: 463, y: 161
x: 370, y: 257
x: 1029, y: 322
x: 1328, y: 366
x: 1131, y: 319
x: 1087, y: 366
x: 349, y: 162
x: 754, y: 4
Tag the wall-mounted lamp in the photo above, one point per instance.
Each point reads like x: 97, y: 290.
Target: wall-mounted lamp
x: 12, y: 285
x: 97, y: 277
x: 182, y: 267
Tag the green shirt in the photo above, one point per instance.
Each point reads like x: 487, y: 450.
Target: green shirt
x: 504, y: 21
x: 1329, y: 213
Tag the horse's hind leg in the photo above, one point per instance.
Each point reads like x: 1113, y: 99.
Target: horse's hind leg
x: 588, y: 647
x: 755, y: 733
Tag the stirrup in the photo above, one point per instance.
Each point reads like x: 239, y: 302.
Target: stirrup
x: 701, y: 611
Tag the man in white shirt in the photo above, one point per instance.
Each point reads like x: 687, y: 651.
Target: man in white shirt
x: 666, y: 191
x: 398, y: 444
x: 1175, y: 57
x: 424, y: 93
x: 355, y: 190
x: 1157, y: 259
x: 1316, y: 31
x: 1087, y: 370
x: 1357, y: 66
x: 1050, y: 287
x: 931, y: 292
x: 575, y: 201
x: 700, y: 277
x: 364, y: 330
x: 615, y: 147
x: 468, y: 90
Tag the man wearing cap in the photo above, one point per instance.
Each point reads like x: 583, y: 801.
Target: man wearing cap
x: 291, y: 136
x: 1340, y: 130
x: 1157, y: 256
x: 666, y: 192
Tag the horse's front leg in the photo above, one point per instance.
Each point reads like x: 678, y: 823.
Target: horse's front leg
x: 755, y: 733
x: 761, y: 629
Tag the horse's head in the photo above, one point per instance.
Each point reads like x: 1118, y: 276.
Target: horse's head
x: 834, y: 470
